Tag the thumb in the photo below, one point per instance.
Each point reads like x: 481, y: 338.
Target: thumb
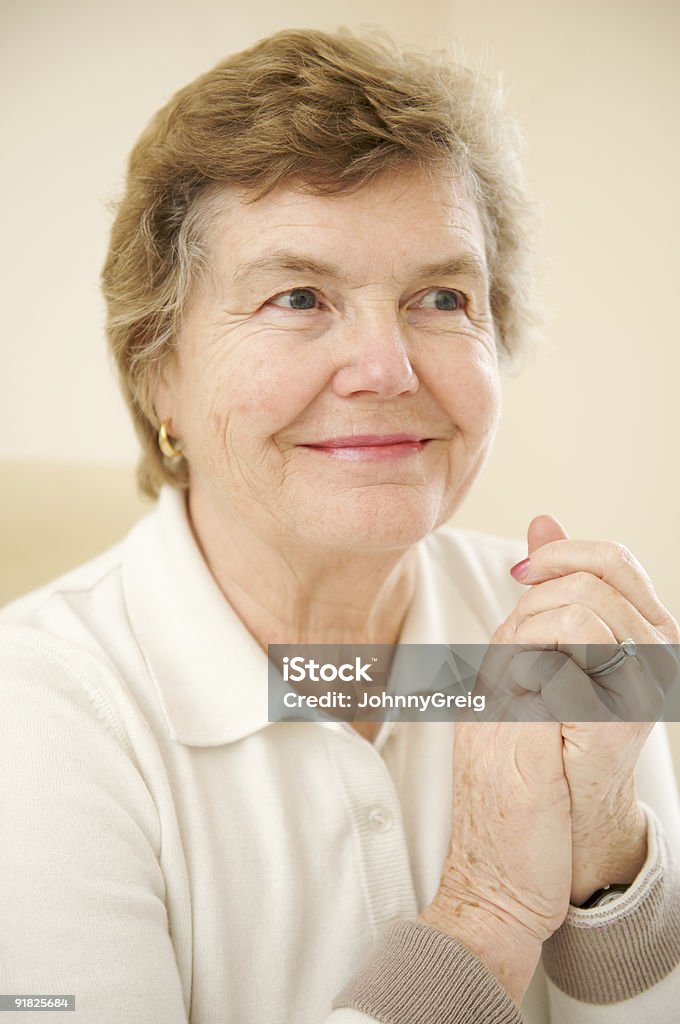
x: 542, y: 530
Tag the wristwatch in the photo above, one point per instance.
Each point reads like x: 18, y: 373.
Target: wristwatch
x: 603, y: 896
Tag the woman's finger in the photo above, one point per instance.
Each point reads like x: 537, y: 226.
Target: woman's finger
x: 610, y: 561
x: 572, y: 629
x: 570, y: 625
x: 568, y: 693
x: 632, y: 694
x: 583, y: 588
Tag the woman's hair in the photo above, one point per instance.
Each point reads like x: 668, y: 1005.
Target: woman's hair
x: 324, y: 112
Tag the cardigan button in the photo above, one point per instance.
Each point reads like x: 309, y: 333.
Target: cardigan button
x: 380, y: 819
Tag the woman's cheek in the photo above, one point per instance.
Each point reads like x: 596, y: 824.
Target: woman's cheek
x: 272, y: 396
x: 469, y: 390
x: 489, y: 400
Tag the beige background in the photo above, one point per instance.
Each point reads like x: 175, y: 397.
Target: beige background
x: 589, y: 432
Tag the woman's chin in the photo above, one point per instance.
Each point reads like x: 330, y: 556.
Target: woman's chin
x: 373, y: 525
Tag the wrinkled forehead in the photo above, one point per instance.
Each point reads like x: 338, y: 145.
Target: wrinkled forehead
x: 385, y: 228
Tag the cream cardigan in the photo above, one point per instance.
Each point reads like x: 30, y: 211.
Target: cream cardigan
x: 166, y: 855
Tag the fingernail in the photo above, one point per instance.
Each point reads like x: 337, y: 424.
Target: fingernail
x: 520, y: 570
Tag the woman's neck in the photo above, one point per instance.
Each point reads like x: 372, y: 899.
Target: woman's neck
x: 298, y: 596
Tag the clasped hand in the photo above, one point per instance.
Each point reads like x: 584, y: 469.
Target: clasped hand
x: 576, y: 738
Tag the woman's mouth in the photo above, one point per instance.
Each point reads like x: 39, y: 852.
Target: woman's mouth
x: 370, y: 447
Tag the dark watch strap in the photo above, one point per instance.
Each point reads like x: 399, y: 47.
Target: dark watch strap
x: 606, y: 895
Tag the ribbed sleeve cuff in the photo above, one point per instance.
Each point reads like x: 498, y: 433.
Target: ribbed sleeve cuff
x: 420, y: 974
x: 615, y: 952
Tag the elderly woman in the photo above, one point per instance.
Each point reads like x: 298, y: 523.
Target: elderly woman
x: 318, y: 267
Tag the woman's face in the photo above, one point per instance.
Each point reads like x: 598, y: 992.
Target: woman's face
x: 335, y: 381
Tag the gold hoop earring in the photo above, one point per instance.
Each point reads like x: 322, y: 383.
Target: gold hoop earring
x: 166, y: 445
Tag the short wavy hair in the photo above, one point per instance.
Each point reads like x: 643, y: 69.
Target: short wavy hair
x: 324, y: 112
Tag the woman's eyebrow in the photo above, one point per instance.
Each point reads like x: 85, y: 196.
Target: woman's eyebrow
x: 464, y: 264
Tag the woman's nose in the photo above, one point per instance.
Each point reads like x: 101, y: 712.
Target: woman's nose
x: 375, y: 359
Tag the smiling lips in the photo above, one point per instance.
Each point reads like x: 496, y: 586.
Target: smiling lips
x: 370, y: 447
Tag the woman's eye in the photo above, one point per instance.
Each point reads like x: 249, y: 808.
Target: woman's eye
x: 297, y: 298
x: 445, y: 299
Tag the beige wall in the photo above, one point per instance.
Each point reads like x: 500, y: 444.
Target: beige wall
x: 590, y: 432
